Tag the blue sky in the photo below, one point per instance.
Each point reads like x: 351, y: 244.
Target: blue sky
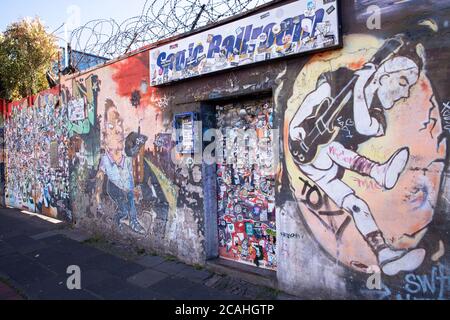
x: 54, y: 12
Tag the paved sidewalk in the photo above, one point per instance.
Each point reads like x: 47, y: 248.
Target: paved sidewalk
x: 35, y: 255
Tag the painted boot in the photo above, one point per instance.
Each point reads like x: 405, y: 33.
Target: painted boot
x: 119, y: 222
x: 393, y: 261
x: 136, y: 227
x: 387, y: 174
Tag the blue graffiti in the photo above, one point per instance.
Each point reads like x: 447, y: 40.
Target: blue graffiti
x: 239, y: 44
x: 428, y: 286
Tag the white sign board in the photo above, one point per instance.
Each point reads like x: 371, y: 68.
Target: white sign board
x: 298, y: 27
x: 76, y: 110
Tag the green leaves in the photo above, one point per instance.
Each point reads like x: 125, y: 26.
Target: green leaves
x: 26, y: 54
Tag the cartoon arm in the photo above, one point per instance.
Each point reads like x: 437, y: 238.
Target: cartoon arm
x: 365, y: 124
x: 314, y: 99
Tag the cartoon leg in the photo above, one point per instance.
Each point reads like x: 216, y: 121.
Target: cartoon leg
x: 390, y: 260
x: 134, y: 223
x: 122, y: 213
x: 386, y: 174
x: 117, y: 196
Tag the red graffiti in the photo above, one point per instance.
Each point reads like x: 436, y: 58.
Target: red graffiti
x: 131, y: 75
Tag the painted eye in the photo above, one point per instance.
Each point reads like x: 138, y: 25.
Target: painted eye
x: 403, y: 82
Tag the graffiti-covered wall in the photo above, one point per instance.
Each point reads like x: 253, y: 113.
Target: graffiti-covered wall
x: 121, y: 175
x: 3, y: 108
x: 361, y: 188
x: 36, y: 156
x: 356, y: 202
x: 366, y: 155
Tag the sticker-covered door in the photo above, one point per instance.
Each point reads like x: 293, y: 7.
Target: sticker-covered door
x: 246, y: 183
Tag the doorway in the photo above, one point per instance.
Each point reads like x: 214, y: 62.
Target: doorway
x: 246, y: 182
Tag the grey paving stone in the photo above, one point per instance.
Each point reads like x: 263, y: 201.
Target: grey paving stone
x: 91, y: 277
x: 24, y: 244
x: 5, y: 249
x: 32, y: 247
x: 113, y: 288
x: 76, y: 235
x: 24, y: 270
x: 171, y: 267
x: 173, y: 287
x: 19, y: 240
x: 214, y: 280
x: 147, y: 294
x: 285, y: 296
x: 46, y: 234
x: 55, y: 260
x: 150, y: 261
x: 198, y: 276
x: 15, y: 232
x: 114, y: 265
x: 66, y: 245
x: 201, y: 292
x: 147, y: 278
x: 55, y: 288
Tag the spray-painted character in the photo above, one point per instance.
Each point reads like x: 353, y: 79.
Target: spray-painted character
x: 378, y: 88
x: 118, y: 169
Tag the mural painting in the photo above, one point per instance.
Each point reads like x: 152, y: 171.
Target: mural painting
x: 37, y: 167
x: 364, y: 155
x: 122, y: 175
x: 362, y: 189
x: 107, y: 158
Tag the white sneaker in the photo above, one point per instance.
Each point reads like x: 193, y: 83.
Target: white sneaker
x: 387, y: 174
x: 394, y: 261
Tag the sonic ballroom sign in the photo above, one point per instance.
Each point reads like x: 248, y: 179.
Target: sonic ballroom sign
x: 298, y: 27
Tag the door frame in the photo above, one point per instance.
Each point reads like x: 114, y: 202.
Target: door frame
x: 209, y: 172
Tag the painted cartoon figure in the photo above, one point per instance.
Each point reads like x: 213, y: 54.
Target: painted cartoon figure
x: 310, y: 8
x: 375, y: 89
x: 118, y: 168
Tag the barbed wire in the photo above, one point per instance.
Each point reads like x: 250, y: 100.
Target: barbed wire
x: 158, y: 20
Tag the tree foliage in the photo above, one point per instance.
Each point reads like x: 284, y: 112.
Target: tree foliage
x: 27, y: 52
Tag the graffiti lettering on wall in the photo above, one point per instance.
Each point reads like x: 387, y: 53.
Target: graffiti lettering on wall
x: 434, y: 285
x: 293, y: 28
x: 37, y: 159
x: 290, y: 235
x: 359, y: 163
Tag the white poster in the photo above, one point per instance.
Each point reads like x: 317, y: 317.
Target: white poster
x: 298, y: 27
x: 76, y: 110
